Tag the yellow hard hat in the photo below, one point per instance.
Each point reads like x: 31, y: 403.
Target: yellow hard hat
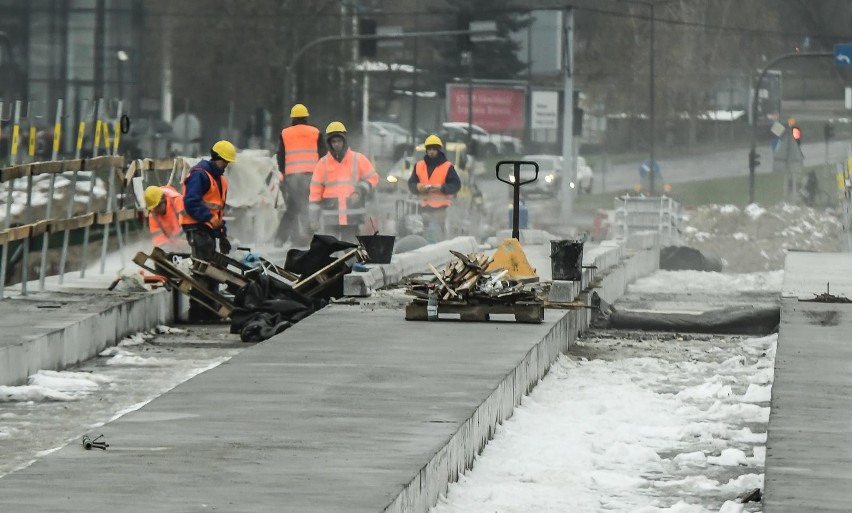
x: 226, y: 150
x: 153, y: 196
x: 335, y: 127
x: 299, y: 111
x: 433, y: 140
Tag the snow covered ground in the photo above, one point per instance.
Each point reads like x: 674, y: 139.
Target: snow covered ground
x: 637, y: 422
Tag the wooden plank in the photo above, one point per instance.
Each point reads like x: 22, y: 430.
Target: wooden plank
x: 17, y: 233
x: 14, y: 172
x: 40, y: 227
x: 74, y: 165
x: 126, y: 214
x: 60, y: 225
x: 44, y: 168
x: 104, y: 217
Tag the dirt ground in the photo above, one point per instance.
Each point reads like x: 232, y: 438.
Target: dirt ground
x: 755, y: 239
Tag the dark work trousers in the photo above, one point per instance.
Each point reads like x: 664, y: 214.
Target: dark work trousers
x: 295, y: 190
x: 203, y: 246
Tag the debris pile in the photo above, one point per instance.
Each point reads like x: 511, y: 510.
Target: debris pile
x: 473, y: 278
x: 474, y: 288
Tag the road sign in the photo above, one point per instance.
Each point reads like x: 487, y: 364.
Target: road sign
x: 646, y: 167
x: 843, y: 55
x: 483, y: 31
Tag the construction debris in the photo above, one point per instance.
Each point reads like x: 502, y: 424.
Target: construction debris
x: 474, y: 288
x: 261, y: 299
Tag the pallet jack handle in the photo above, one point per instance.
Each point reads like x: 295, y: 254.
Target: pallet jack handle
x: 515, y: 181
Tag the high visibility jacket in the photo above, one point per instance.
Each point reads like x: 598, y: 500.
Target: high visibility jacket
x: 334, y: 182
x: 300, y: 148
x: 434, y: 198
x: 213, y: 199
x: 165, y: 229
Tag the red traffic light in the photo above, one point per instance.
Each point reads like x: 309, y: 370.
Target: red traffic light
x: 797, y: 133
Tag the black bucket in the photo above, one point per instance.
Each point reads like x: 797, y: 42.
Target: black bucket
x: 566, y: 259
x: 379, y: 248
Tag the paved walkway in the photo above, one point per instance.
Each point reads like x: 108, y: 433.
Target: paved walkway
x: 337, y: 414
x: 809, y: 449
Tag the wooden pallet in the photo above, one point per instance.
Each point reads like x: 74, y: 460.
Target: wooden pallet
x: 526, y: 312
x: 184, y: 282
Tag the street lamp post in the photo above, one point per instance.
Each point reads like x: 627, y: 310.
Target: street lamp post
x: 467, y: 60
x: 651, y: 98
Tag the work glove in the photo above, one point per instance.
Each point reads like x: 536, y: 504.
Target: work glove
x: 216, y: 223
x: 224, y: 246
x: 421, y: 187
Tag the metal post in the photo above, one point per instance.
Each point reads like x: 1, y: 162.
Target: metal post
x: 115, y: 153
x: 16, y: 134
x: 652, y: 101
x: 54, y: 156
x: 72, y: 192
x: 469, y: 55
x: 7, y: 223
x: 516, y: 202
x: 365, y: 115
x: 93, y: 178
x: 110, y: 197
x: 568, y: 170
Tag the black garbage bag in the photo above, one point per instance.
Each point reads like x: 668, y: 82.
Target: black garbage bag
x: 305, y: 262
x: 266, y: 307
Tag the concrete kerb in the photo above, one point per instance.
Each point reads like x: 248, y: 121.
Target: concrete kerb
x: 445, y: 466
x: 361, y: 284
x: 45, y: 342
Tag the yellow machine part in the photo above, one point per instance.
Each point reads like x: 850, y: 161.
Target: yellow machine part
x: 511, y: 257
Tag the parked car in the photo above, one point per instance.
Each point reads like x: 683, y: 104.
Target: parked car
x: 386, y: 140
x: 485, y: 144
x: 550, y: 175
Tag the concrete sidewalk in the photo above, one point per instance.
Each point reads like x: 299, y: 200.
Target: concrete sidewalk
x: 809, y: 446
x: 353, y: 409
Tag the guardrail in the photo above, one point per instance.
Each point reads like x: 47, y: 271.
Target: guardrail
x: 660, y: 214
x: 102, y: 206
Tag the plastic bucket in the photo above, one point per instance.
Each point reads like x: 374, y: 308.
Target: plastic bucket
x: 379, y: 248
x: 566, y: 259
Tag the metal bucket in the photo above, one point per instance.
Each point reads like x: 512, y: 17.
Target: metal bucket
x: 566, y: 260
x: 379, y: 248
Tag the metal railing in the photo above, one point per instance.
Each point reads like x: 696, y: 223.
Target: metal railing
x: 659, y: 214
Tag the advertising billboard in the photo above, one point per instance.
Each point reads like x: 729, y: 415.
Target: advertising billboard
x: 496, y: 109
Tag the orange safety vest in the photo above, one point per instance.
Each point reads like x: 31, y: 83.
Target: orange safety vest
x: 434, y: 198
x: 300, y: 148
x: 165, y: 229
x: 212, y: 199
x: 338, y: 180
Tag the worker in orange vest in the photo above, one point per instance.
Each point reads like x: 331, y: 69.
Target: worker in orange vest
x: 436, y: 181
x: 164, y: 205
x: 340, y: 184
x: 299, y: 150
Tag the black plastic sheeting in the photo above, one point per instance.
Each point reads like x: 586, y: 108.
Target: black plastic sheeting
x: 266, y: 307
x: 741, y: 320
x: 682, y: 258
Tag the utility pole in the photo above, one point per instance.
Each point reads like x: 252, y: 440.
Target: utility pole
x: 568, y: 171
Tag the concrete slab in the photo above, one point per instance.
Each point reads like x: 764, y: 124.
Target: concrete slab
x: 809, y: 444
x: 347, y: 411
x: 54, y: 329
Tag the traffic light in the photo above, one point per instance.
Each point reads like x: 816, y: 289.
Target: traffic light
x: 753, y: 159
x: 797, y: 134
x: 828, y: 131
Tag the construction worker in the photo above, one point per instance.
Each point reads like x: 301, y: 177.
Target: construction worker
x: 436, y: 181
x: 341, y: 181
x: 205, y: 190
x: 164, y: 205
x: 299, y: 150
